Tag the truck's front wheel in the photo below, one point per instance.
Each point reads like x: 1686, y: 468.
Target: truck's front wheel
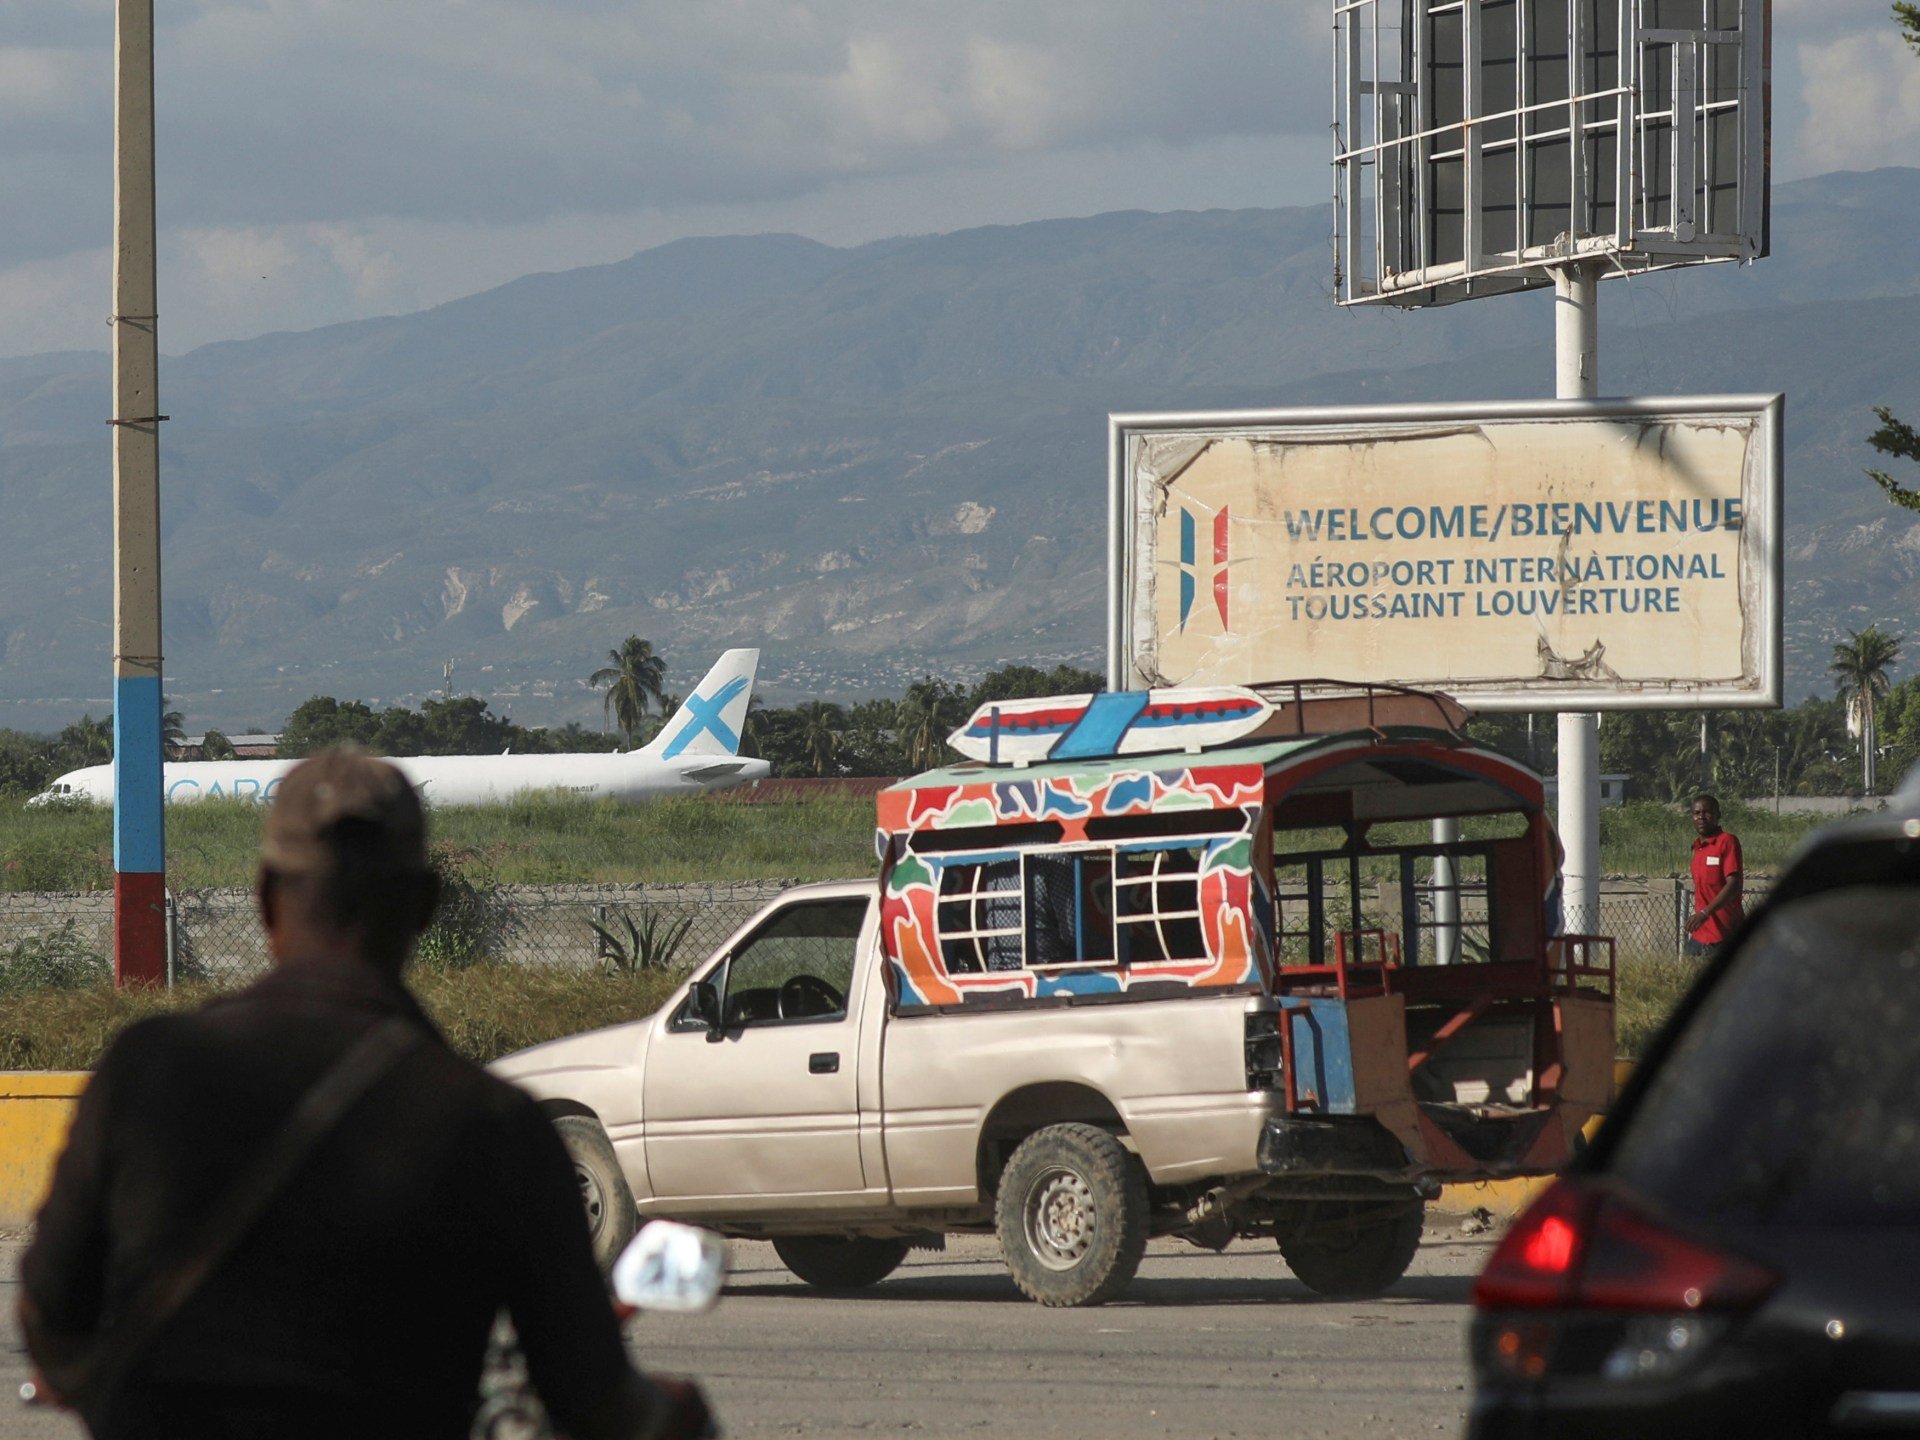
x: 1351, y: 1252
x: 1072, y: 1215
x: 611, y: 1215
x: 840, y: 1262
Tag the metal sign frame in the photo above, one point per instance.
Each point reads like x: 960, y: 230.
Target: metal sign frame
x: 1476, y: 141
x: 1760, y: 550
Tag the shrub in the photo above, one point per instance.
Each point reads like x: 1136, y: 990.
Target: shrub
x: 629, y: 944
x: 55, y: 960
x: 475, y: 918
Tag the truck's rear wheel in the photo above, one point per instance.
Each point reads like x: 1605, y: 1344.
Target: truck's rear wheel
x: 1072, y: 1215
x: 1351, y: 1252
x: 611, y: 1216
x: 840, y: 1262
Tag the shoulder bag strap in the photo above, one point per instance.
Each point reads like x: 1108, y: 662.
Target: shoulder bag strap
x: 240, y: 1208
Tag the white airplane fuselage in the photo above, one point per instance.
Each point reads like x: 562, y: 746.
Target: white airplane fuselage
x: 447, y: 780
x: 695, y: 751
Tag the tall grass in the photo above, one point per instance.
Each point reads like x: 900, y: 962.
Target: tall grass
x: 1647, y: 990
x: 485, y: 1012
x: 1648, y: 838
x: 534, y: 840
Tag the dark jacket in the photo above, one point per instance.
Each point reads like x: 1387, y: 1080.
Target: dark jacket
x: 361, y: 1302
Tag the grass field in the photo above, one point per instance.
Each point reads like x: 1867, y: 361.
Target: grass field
x: 485, y: 1012
x: 535, y: 841
x: 556, y: 840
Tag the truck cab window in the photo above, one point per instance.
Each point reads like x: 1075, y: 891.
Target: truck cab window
x: 797, y: 966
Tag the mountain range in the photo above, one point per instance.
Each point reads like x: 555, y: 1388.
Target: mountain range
x: 875, y: 462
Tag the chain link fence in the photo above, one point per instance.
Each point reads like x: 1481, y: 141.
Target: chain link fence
x: 215, y: 935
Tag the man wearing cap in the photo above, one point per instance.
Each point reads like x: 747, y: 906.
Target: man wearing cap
x: 296, y: 1212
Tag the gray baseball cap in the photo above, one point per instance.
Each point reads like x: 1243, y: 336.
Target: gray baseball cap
x: 339, y: 803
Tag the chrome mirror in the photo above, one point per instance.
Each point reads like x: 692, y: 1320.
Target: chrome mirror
x: 671, y: 1267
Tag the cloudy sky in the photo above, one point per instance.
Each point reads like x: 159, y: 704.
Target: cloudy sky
x: 323, y: 160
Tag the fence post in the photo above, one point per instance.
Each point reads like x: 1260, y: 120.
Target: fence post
x: 173, y: 936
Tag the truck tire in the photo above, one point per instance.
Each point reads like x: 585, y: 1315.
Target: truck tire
x: 1342, y: 1256
x: 611, y: 1216
x: 840, y: 1262
x: 1072, y: 1215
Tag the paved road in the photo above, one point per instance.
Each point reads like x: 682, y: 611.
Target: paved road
x: 1201, y: 1345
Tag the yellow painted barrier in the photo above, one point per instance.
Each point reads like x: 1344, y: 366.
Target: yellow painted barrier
x: 36, y: 1107
x: 1507, y: 1198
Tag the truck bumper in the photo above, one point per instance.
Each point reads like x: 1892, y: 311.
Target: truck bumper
x: 1453, y: 1146
x: 1293, y: 1147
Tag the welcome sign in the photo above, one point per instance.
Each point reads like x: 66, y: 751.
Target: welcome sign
x: 1553, y: 555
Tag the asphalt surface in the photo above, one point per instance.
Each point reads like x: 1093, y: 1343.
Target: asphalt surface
x: 1200, y: 1345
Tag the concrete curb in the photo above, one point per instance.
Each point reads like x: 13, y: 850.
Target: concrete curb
x: 36, y: 1107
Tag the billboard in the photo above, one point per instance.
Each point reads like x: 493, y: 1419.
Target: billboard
x: 1534, y: 555
x: 1477, y: 143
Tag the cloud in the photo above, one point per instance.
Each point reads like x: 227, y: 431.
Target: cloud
x: 1862, y: 97
x: 280, y: 111
x: 330, y: 159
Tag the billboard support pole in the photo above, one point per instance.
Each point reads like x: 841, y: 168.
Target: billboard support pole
x: 139, y: 863
x: 1576, y: 375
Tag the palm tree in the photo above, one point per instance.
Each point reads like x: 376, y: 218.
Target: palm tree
x: 820, y: 725
x: 1859, y: 670
x: 216, y: 746
x: 632, y: 677
x: 927, y: 713
x: 173, y: 733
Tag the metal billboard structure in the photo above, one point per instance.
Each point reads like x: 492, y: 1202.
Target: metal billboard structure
x: 1479, y: 141
x: 1530, y: 555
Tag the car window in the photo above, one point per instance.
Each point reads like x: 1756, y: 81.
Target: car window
x: 1793, y: 1098
x: 797, y: 966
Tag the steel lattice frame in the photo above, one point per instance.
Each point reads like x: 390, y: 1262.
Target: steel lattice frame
x: 1457, y: 172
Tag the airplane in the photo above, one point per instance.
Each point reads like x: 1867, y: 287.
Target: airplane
x: 697, y: 751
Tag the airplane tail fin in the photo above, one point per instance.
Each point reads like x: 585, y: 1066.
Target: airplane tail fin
x: 709, y: 721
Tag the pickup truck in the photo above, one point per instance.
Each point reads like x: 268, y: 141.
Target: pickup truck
x: 1101, y: 991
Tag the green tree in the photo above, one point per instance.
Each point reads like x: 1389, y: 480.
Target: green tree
x: 1022, y: 682
x: 322, y: 721
x: 215, y: 746
x: 86, y: 741
x: 173, y: 732
x: 821, y: 722
x: 633, y: 677
x: 870, y: 744
x: 1895, y: 437
x: 1859, y: 669
x: 26, y: 763
x: 928, y: 714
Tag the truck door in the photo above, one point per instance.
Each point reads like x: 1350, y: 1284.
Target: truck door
x: 763, y: 1111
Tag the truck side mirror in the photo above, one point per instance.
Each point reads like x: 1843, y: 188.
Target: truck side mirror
x: 703, y: 1003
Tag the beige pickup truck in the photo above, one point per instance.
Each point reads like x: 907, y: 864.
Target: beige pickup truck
x: 1096, y: 999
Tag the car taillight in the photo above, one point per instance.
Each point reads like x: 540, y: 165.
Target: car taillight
x: 1586, y: 1281
x: 1580, y: 1247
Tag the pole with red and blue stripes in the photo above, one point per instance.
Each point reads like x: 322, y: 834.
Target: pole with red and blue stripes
x: 139, y: 839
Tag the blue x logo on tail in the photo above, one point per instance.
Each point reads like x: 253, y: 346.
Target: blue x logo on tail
x: 705, y: 717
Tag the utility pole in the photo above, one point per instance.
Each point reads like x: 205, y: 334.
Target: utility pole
x: 139, y: 839
x: 1576, y: 376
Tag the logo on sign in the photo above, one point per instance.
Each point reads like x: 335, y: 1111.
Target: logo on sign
x: 1190, y: 571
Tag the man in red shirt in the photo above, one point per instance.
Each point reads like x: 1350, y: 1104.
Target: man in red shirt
x: 1717, y: 877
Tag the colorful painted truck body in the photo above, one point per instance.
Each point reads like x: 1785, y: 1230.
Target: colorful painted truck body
x: 1230, y: 992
